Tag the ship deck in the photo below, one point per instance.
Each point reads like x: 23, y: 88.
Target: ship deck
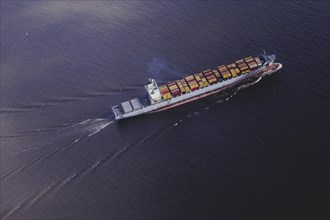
x: 131, y: 106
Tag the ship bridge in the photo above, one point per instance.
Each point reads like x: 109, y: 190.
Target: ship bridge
x: 153, y: 91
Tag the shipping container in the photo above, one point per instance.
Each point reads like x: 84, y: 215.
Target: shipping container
x: 167, y: 96
x: 233, y: 73
x: 241, y: 64
x: 199, y: 80
x: 210, y: 77
x: 238, y: 71
x: 224, y: 72
x: 193, y: 85
x: 240, y: 61
x: 175, y: 93
x: 251, y: 63
x: 226, y: 75
x: 222, y: 68
x: 258, y: 61
x: 189, y: 77
x: 217, y: 74
x: 185, y: 85
x: 197, y: 77
x: 204, y: 80
x: 163, y: 89
x: 208, y: 73
x: 179, y: 83
x: 243, y: 67
x: 173, y: 90
x: 250, y: 60
x: 208, y: 70
x: 173, y: 87
x: 253, y: 67
x: 234, y: 70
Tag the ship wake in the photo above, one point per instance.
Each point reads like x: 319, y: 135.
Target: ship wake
x: 83, y: 130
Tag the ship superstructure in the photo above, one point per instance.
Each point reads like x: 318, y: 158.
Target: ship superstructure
x: 196, y: 86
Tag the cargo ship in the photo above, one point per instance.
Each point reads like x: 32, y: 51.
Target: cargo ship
x: 196, y: 86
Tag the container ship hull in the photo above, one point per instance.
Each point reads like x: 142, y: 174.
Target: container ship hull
x: 195, y: 87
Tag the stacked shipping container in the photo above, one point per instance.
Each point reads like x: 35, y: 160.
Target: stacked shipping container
x: 251, y: 63
x: 217, y: 75
x: 205, y: 83
x: 165, y: 92
x: 182, y: 89
x: 242, y: 66
x: 174, y: 89
x: 192, y: 82
x: 185, y: 85
x: 199, y: 80
x: 258, y: 61
x: 224, y: 72
x: 234, y: 70
x: 209, y: 77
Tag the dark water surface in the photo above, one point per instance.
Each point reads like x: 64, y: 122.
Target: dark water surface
x: 259, y: 153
